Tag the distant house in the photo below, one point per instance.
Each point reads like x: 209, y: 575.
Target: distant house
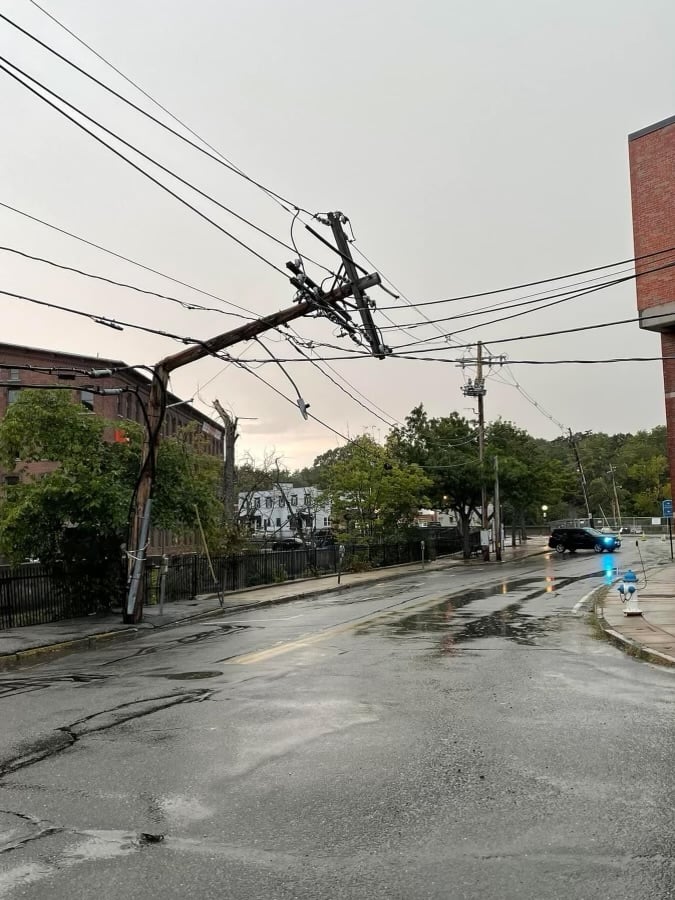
x: 284, y: 511
x: 22, y: 368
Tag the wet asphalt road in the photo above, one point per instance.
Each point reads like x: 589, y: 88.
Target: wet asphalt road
x: 458, y: 734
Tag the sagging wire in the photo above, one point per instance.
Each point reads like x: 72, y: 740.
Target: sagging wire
x: 300, y: 402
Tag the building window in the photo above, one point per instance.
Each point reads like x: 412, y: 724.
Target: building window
x: 278, y: 523
x: 13, y: 374
x: 87, y: 400
x: 308, y: 500
x: 13, y: 395
x: 325, y: 522
x: 11, y: 479
x: 294, y: 499
x: 268, y: 502
x: 257, y: 502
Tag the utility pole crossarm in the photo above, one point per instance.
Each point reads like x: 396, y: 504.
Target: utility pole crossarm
x: 335, y: 220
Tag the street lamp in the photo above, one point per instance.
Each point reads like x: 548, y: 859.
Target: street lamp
x: 544, y: 510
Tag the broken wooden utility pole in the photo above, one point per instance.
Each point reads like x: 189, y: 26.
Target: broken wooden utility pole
x: 230, y: 423
x: 311, y: 299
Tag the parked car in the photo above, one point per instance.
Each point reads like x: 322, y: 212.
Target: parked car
x: 573, y: 539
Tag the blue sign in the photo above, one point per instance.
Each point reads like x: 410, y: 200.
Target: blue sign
x: 667, y: 509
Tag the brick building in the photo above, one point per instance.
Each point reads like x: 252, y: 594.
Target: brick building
x: 15, y: 377
x: 652, y: 174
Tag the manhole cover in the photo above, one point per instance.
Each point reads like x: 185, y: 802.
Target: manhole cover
x: 193, y: 676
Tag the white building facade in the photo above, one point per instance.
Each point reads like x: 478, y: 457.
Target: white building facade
x: 285, y: 511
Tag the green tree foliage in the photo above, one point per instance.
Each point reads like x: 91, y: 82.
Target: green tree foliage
x: 528, y: 475
x: 637, y: 464
x: 74, y: 517
x: 447, y: 448
x: 371, y: 492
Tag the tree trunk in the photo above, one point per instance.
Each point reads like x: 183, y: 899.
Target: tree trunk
x: 523, y: 530
x: 513, y: 531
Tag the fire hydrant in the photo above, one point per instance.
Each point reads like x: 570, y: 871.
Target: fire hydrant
x: 629, y: 594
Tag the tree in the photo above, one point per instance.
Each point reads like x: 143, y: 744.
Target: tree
x: 74, y: 517
x: 528, y: 475
x: 448, y: 448
x: 370, y: 491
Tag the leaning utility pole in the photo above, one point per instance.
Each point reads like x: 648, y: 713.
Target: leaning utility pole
x: 582, y: 476
x: 311, y: 299
x: 617, y: 518
x: 230, y: 423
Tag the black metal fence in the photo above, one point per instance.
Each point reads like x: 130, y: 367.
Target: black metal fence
x: 30, y: 594
x: 189, y: 576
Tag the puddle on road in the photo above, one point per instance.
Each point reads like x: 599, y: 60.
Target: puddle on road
x: 461, y: 625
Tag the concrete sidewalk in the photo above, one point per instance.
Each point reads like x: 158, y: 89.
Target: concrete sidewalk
x: 35, y: 643
x: 651, y: 635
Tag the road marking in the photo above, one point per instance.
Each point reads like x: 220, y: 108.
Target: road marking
x: 287, y: 647
x: 577, y: 606
x: 396, y: 608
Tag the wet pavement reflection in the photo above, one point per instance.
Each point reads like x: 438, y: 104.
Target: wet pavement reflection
x: 457, y: 622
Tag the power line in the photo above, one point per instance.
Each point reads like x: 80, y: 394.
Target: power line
x: 511, y: 362
x: 184, y: 303
x: 116, y: 324
x: 527, y: 284
x: 127, y: 259
x: 291, y: 247
x: 526, y: 300
x: 217, y: 158
x: 126, y: 159
x: 343, y: 389
x: 559, y: 299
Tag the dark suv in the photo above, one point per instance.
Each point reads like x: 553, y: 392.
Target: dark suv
x: 574, y: 539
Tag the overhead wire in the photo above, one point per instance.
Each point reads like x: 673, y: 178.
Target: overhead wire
x: 128, y: 259
x: 186, y: 304
x: 130, y: 162
x: 344, y: 390
x: 217, y: 158
x: 527, y: 284
x: 557, y: 299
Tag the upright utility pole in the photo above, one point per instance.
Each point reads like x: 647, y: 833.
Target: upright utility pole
x: 481, y: 446
x: 498, y: 515
x: 230, y: 423
x: 476, y: 388
x: 573, y: 442
x: 314, y: 300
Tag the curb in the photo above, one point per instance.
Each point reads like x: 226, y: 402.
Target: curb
x: 35, y: 655
x: 628, y: 645
x: 45, y: 652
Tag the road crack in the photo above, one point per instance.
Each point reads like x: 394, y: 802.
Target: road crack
x: 66, y: 736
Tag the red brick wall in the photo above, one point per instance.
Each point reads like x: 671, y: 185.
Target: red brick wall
x: 115, y: 408
x: 652, y: 175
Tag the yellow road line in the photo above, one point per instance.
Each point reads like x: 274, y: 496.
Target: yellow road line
x: 288, y: 647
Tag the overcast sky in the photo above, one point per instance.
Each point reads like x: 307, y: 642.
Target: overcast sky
x: 472, y: 145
